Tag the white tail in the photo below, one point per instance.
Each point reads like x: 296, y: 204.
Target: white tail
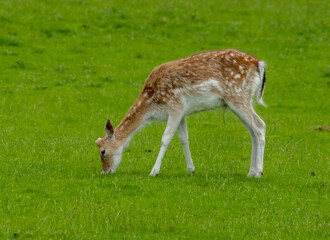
x: 174, y: 90
x: 261, y: 88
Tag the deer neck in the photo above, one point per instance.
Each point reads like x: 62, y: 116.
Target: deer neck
x: 134, y: 120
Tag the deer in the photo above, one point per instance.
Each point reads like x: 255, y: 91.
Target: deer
x: 174, y: 90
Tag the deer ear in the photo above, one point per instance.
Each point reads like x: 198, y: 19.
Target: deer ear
x: 108, y: 129
x: 98, y: 141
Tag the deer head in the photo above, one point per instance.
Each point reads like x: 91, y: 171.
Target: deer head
x: 110, y: 150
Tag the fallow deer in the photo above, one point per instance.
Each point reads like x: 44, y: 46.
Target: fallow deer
x: 174, y: 90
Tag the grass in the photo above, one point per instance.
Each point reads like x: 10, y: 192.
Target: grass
x: 67, y: 66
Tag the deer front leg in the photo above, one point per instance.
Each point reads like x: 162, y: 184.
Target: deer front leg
x: 183, y: 135
x: 172, y: 125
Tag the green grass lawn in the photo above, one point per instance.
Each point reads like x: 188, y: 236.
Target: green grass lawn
x: 67, y: 66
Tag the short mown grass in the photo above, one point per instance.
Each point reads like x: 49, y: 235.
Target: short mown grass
x: 67, y: 66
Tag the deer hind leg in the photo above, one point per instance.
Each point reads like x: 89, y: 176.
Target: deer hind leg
x: 262, y: 126
x: 173, y: 122
x: 183, y: 135
x: 257, y: 130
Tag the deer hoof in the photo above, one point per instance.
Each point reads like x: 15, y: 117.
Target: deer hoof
x: 255, y: 174
x: 191, y: 169
x: 153, y: 173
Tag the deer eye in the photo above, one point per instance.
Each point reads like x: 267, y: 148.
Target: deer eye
x: 102, y: 152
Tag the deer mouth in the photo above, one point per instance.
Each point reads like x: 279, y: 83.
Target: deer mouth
x: 108, y: 171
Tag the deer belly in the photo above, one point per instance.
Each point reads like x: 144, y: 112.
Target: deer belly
x: 202, y: 103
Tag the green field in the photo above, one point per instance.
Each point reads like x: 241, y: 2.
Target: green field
x: 67, y: 66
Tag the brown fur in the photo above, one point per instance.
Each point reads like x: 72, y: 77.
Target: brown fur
x: 198, y: 67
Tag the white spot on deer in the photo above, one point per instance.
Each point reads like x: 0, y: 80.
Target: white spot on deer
x: 149, y: 100
x: 237, y: 89
x: 176, y: 91
x: 237, y: 76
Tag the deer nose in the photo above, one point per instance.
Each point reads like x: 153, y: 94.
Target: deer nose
x: 102, y: 152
